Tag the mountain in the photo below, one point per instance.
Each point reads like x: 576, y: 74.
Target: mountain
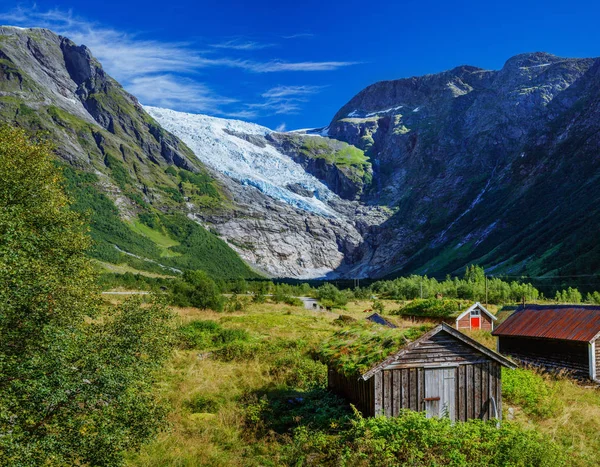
x: 123, y: 169
x: 498, y: 168
x: 158, y: 206
x: 425, y: 174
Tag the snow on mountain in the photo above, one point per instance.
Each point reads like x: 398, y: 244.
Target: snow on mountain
x: 220, y: 144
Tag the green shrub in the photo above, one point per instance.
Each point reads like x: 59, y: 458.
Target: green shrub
x: 207, y: 334
x: 201, y: 403
x: 431, y: 308
x: 297, y: 370
x: 528, y: 389
x: 412, y: 439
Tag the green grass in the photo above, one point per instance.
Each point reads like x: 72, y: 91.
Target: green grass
x: 162, y: 240
x: 173, y: 241
x: 261, y: 400
x: 357, y: 348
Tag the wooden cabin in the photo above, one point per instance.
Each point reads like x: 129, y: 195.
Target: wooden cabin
x: 475, y: 317
x: 560, y: 337
x: 442, y: 372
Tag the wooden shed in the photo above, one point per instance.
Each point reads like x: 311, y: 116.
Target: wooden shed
x: 475, y: 317
x: 554, y: 336
x: 441, y: 372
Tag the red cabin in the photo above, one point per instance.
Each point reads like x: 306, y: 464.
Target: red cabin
x: 476, y: 317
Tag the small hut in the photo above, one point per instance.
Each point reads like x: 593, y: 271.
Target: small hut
x: 561, y: 337
x: 428, y: 311
x: 439, y: 371
x: 475, y: 317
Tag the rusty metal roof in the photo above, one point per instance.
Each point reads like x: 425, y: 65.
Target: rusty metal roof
x: 565, y: 322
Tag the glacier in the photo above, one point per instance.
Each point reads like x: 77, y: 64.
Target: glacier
x: 213, y: 140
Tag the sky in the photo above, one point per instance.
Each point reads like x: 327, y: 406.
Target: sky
x: 292, y: 64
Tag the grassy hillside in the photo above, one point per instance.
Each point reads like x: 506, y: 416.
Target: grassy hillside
x: 247, y: 391
x: 152, y: 240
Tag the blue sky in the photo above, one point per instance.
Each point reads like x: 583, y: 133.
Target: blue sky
x: 293, y: 64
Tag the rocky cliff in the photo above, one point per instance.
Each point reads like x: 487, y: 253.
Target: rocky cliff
x: 495, y: 167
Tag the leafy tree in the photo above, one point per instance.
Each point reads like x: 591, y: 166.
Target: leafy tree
x: 75, y: 378
x: 331, y: 297
x: 203, y: 291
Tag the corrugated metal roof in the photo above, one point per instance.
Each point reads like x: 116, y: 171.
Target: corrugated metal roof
x: 566, y: 322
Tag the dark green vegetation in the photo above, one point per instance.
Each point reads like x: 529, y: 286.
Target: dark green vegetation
x: 412, y: 439
x: 76, y: 378
x: 471, y: 287
x: 170, y: 242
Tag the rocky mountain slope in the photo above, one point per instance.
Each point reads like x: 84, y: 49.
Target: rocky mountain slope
x: 495, y: 167
x: 424, y: 174
x: 157, y: 205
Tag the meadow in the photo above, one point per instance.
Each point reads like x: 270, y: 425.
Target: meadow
x: 244, y: 389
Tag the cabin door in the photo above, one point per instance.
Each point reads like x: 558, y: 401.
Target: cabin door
x: 475, y: 319
x: 440, y: 392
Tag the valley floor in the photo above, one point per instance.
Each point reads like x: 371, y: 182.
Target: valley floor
x: 236, y: 403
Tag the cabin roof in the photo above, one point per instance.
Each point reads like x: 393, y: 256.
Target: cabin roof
x: 565, y: 322
x: 378, y: 319
x: 364, y: 349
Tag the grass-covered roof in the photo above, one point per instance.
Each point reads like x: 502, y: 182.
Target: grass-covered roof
x: 434, y: 308
x: 357, y: 348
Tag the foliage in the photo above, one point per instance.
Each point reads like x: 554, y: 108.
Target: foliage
x: 570, y: 295
x: 413, y: 439
x: 471, y: 287
x: 432, y: 308
x: 330, y: 297
x: 354, y: 350
x: 378, y: 306
x: 530, y: 390
x: 76, y: 379
x: 202, y: 335
x: 236, y: 303
x: 197, y: 289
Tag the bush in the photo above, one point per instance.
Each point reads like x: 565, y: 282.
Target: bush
x: 297, y: 370
x: 531, y: 391
x: 430, y: 308
x: 331, y: 297
x: 413, y: 439
x: 200, y: 403
x: 206, y: 334
x: 199, y: 290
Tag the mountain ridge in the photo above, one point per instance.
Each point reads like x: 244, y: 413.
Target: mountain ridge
x: 422, y: 174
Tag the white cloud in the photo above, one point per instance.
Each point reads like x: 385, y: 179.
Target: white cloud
x: 164, y: 73
x: 291, y: 92
x: 175, y: 92
x: 299, y: 35
x: 280, y: 127
x: 238, y: 44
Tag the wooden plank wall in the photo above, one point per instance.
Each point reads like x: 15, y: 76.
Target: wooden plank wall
x: 359, y: 392
x: 389, y: 391
x: 555, y: 354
